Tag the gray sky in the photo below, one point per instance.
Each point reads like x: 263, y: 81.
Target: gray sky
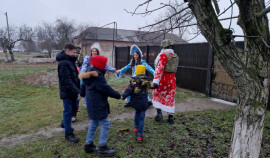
x: 92, y: 12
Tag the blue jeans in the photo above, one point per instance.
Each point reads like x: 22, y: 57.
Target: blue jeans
x: 69, y: 105
x: 103, y: 135
x: 139, y: 122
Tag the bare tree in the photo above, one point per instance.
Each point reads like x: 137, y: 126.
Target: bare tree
x: 23, y: 33
x: 47, y: 37
x: 4, y: 43
x: 249, y: 71
x: 65, y: 30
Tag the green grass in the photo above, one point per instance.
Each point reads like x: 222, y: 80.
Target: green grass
x: 25, y: 109
x: 194, y: 134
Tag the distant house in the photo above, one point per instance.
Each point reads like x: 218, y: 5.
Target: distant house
x: 121, y: 38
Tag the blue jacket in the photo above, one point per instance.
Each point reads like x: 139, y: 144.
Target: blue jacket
x: 96, y: 90
x: 137, y: 90
x: 69, y: 83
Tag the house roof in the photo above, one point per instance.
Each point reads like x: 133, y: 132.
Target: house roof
x: 96, y: 33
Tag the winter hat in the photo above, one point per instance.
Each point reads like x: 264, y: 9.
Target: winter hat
x: 165, y: 43
x: 135, y: 48
x: 95, y: 45
x: 99, y: 61
x: 140, y: 70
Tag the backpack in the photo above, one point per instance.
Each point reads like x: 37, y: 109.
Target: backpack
x: 172, y: 62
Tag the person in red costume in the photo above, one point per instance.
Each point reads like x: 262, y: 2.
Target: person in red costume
x: 166, y: 65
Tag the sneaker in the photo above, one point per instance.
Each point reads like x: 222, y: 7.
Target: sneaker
x: 139, y: 139
x: 105, y: 151
x: 73, y: 119
x: 170, y: 119
x: 72, y: 138
x: 61, y: 125
x: 135, y: 131
x: 89, y: 148
x: 128, y: 104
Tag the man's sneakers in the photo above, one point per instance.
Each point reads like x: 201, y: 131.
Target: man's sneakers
x: 105, y: 151
x: 72, y: 138
x: 139, y: 139
x: 89, y: 148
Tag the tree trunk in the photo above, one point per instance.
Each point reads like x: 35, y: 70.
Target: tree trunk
x: 249, y: 72
x: 5, y: 55
x: 11, y: 55
x: 247, y: 133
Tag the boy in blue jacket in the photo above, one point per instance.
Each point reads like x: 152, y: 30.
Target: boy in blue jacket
x: 137, y: 90
x: 96, y: 90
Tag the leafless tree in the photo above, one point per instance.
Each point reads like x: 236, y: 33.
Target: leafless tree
x: 65, y: 30
x: 249, y: 71
x: 23, y: 33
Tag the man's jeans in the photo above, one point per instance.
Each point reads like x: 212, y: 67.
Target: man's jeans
x: 139, y: 122
x: 103, y: 135
x: 69, y: 107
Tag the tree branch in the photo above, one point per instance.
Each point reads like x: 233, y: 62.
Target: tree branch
x: 263, y: 12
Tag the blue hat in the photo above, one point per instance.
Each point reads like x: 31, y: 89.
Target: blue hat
x: 135, y: 48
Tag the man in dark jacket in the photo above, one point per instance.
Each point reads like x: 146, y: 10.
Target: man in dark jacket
x: 69, y: 86
x: 97, y: 92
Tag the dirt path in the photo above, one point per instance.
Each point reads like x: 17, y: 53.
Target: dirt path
x: 192, y: 104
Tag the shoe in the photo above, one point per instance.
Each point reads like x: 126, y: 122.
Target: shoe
x: 105, y: 151
x: 72, y: 138
x: 89, y: 148
x: 139, y: 139
x: 128, y: 104
x: 135, y: 131
x: 61, y: 125
x: 170, y: 119
x: 73, y: 119
x: 159, y: 115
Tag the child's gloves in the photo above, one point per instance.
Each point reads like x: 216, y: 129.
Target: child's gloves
x: 86, y: 75
x: 155, y: 85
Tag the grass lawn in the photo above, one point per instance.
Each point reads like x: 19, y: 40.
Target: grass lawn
x: 25, y: 109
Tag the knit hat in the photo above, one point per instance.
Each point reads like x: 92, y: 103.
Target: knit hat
x: 99, y: 61
x: 95, y: 45
x: 135, y: 48
x: 140, y: 70
x: 165, y: 43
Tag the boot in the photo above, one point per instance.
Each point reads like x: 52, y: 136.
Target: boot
x: 89, y: 148
x: 61, y: 125
x: 159, y: 115
x: 105, y: 151
x: 128, y: 104
x: 72, y: 138
x: 150, y: 104
x: 170, y: 119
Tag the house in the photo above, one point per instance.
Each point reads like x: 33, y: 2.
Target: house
x: 121, y: 38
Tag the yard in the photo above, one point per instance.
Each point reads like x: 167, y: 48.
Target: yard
x: 31, y: 112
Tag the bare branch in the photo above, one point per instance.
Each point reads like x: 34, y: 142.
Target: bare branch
x: 226, y: 9
x: 165, y: 19
x: 145, y: 13
x: 263, y: 12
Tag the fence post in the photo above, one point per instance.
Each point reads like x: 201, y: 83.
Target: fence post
x: 209, y: 71
x: 115, y: 57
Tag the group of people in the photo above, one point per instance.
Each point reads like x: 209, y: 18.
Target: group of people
x: 95, y: 90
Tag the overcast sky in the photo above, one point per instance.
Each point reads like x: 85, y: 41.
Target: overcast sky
x: 92, y: 12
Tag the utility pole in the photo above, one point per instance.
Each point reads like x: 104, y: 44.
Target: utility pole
x: 7, y: 28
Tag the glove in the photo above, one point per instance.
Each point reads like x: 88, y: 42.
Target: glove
x: 155, y: 85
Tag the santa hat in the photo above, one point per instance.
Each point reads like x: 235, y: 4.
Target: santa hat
x: 140, y: 70
x: 135, y: 48
x: 95, y: 45
x: 99, y: 61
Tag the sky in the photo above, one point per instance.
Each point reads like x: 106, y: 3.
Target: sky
x: 92, y: 12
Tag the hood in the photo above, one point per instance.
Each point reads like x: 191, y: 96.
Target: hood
x: 63, y: 56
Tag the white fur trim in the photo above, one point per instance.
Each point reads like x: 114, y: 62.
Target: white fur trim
x: 156, y: 81
x: 158, y: 105
x: 162, y: 51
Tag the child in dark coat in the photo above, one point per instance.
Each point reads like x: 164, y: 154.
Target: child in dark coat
x: 96, y: 90
x: 137, y: 90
